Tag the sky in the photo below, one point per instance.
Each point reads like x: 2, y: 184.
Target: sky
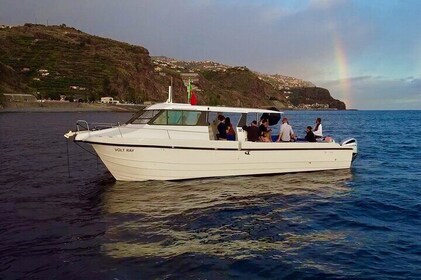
x: 367, y: 53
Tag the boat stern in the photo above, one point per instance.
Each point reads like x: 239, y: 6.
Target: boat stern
x: 351, y: 142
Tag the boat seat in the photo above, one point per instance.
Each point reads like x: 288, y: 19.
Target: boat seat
x: 212, y: 132
x: 241, y: 134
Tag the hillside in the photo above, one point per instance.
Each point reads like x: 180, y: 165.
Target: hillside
x: 56, y: 61
x: 10, y: 80
x: 239, y: 86
x: 277, y: 81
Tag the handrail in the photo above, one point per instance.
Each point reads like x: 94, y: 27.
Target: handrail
x: 82, y: 125
x: 99, y: 126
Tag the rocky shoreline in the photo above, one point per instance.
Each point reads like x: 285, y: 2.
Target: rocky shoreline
x: 62, y: 107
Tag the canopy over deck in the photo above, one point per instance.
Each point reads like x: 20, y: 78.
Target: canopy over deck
x: 219, y: 109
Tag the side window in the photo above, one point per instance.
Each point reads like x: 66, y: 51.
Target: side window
x: 178, y: 118
x: 190, y: 117
x: 175, y: 117
x: 213, y: 118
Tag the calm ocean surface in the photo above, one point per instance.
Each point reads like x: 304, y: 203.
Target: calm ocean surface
x: 362, y: 223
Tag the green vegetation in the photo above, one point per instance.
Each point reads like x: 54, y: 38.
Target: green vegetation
x: 56, y: 60
x: 238, y: 86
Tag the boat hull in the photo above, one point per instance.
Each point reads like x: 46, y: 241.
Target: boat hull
x: 140, y: 163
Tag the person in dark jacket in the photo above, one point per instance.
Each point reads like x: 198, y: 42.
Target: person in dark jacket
x: 265, y: 131
x: 222, y: 128
x: 252, y: 132
x: 310, y: 135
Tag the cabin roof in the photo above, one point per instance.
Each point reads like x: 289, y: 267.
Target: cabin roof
x: 219, y: 109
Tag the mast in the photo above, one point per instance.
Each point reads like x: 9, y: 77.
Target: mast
x: 169, y: 100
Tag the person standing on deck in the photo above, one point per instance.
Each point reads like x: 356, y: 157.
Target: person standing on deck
x: 318, y: 130
x: 222, y: 128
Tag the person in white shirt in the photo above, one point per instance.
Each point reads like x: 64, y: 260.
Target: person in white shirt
x: 286, y: 134
x: 318, y: 130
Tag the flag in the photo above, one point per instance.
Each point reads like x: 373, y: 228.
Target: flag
x: 193, y: 98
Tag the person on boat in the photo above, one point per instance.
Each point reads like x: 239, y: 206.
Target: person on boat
x: 318, y: 130
x: 264, y: 131
x: 310, y: 135
x: 222, y: 128
x: 286, y: 134
x: 230, y: 129
x: 252, y: 132
x: 262, y: 119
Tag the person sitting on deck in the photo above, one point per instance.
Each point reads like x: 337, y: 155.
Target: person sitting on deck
x: 230, y: 129
x: 264, y: 131
x: 310, y: 135
x: 286, y: 134
x: 252, y: 132
x: 262, y: 119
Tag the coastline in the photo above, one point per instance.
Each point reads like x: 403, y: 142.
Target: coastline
x: 59, y: 107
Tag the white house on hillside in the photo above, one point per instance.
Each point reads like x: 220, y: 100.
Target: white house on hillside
x: 107, y: 100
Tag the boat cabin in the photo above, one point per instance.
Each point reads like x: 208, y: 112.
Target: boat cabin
x: 173, y: 115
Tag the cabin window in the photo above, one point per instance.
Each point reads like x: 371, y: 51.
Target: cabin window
x: 161, y: 119
x: 143, y: 117
x: 191, y: 117
x: 174, y: 117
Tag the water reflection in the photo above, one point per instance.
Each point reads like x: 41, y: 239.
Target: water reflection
x: 235, y: 217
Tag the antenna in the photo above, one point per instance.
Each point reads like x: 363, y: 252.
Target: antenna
x: 169, y: 100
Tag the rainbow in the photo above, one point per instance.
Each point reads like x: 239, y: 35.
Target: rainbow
x: 342, y: 64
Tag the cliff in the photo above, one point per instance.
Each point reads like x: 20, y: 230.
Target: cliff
x: 57, y: 61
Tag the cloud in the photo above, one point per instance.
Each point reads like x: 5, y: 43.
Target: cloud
x: 294, y: 39
x: 369, y: 92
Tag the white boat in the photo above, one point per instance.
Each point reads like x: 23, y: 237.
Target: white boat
x: 172, y: 141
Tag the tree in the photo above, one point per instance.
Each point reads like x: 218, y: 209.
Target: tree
x: 131, y: 95
x: 106, y: 86
x: 93, y: 96
x: 2, y: 100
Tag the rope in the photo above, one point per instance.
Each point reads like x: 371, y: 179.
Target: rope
x: 86, y: 150
x: 68, y: 157
x: 83, y: 148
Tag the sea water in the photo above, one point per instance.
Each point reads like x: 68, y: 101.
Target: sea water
x: 364, y: 222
